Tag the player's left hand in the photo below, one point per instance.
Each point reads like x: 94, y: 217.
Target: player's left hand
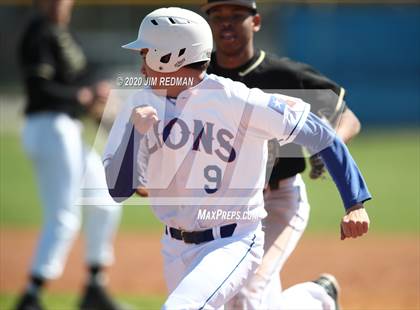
x: 355, y: 223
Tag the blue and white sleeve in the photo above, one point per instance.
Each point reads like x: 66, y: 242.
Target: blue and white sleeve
x: 121, y: 171
x: 318, y: 137
x: 125, y: 157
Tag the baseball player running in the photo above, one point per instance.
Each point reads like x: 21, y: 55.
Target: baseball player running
x: 234, y: 23
x: 195, y: 140
x: 54, y: 68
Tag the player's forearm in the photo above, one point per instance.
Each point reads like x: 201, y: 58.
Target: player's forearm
x: 319, y: 138
x: 345, y: 173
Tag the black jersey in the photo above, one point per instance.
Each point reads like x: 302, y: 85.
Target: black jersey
x: 54, y: 66
x: 269, y: 72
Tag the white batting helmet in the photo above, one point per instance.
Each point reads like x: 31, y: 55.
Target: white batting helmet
x: 175, y: 38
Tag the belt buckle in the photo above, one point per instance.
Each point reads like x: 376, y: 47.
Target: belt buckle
x: 183, y: 237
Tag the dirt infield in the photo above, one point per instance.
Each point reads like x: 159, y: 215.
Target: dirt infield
x: 375, y: 272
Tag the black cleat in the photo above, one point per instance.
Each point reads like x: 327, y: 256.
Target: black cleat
x: 95, y: 297
x: 29, y: 302
x: 330, y: 285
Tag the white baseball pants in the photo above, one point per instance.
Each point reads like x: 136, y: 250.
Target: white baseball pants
x: 207, y: 275
x: 54, y: 143
x: 288, y: 215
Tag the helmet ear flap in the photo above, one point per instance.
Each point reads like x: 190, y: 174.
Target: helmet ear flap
x: 167, y: 58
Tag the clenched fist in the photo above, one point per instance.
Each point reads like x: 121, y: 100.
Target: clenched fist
x: 143, y: 118
x: 355, y: 223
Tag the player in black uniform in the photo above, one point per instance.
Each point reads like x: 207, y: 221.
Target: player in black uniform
x: 234, y: 23
x: 59, y: 91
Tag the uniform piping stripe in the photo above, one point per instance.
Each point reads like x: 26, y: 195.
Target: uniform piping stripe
x: 223, y: 282
x: 297, y: 124
x: 254, y: 65
x: 272, y: 256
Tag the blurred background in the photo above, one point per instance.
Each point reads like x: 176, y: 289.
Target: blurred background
x: 372, y: 48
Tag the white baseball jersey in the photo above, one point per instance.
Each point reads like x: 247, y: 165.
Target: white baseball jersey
x: 208, y: 150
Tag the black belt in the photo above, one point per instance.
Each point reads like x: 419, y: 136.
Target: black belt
x: 197, y: 237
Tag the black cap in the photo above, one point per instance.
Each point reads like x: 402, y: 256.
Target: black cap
x: 250, y: 4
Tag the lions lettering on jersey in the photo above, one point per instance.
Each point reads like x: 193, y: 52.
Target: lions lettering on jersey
x: 202, y: 134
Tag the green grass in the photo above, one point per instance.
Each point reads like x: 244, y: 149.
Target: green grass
x: 69, y: 302
x: 19, y: 204
x: 19, y: 201
x: 389, y: 160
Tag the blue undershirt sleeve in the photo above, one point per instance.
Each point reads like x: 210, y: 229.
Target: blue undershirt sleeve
x: 318, y: 137
x: 120, y: 170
